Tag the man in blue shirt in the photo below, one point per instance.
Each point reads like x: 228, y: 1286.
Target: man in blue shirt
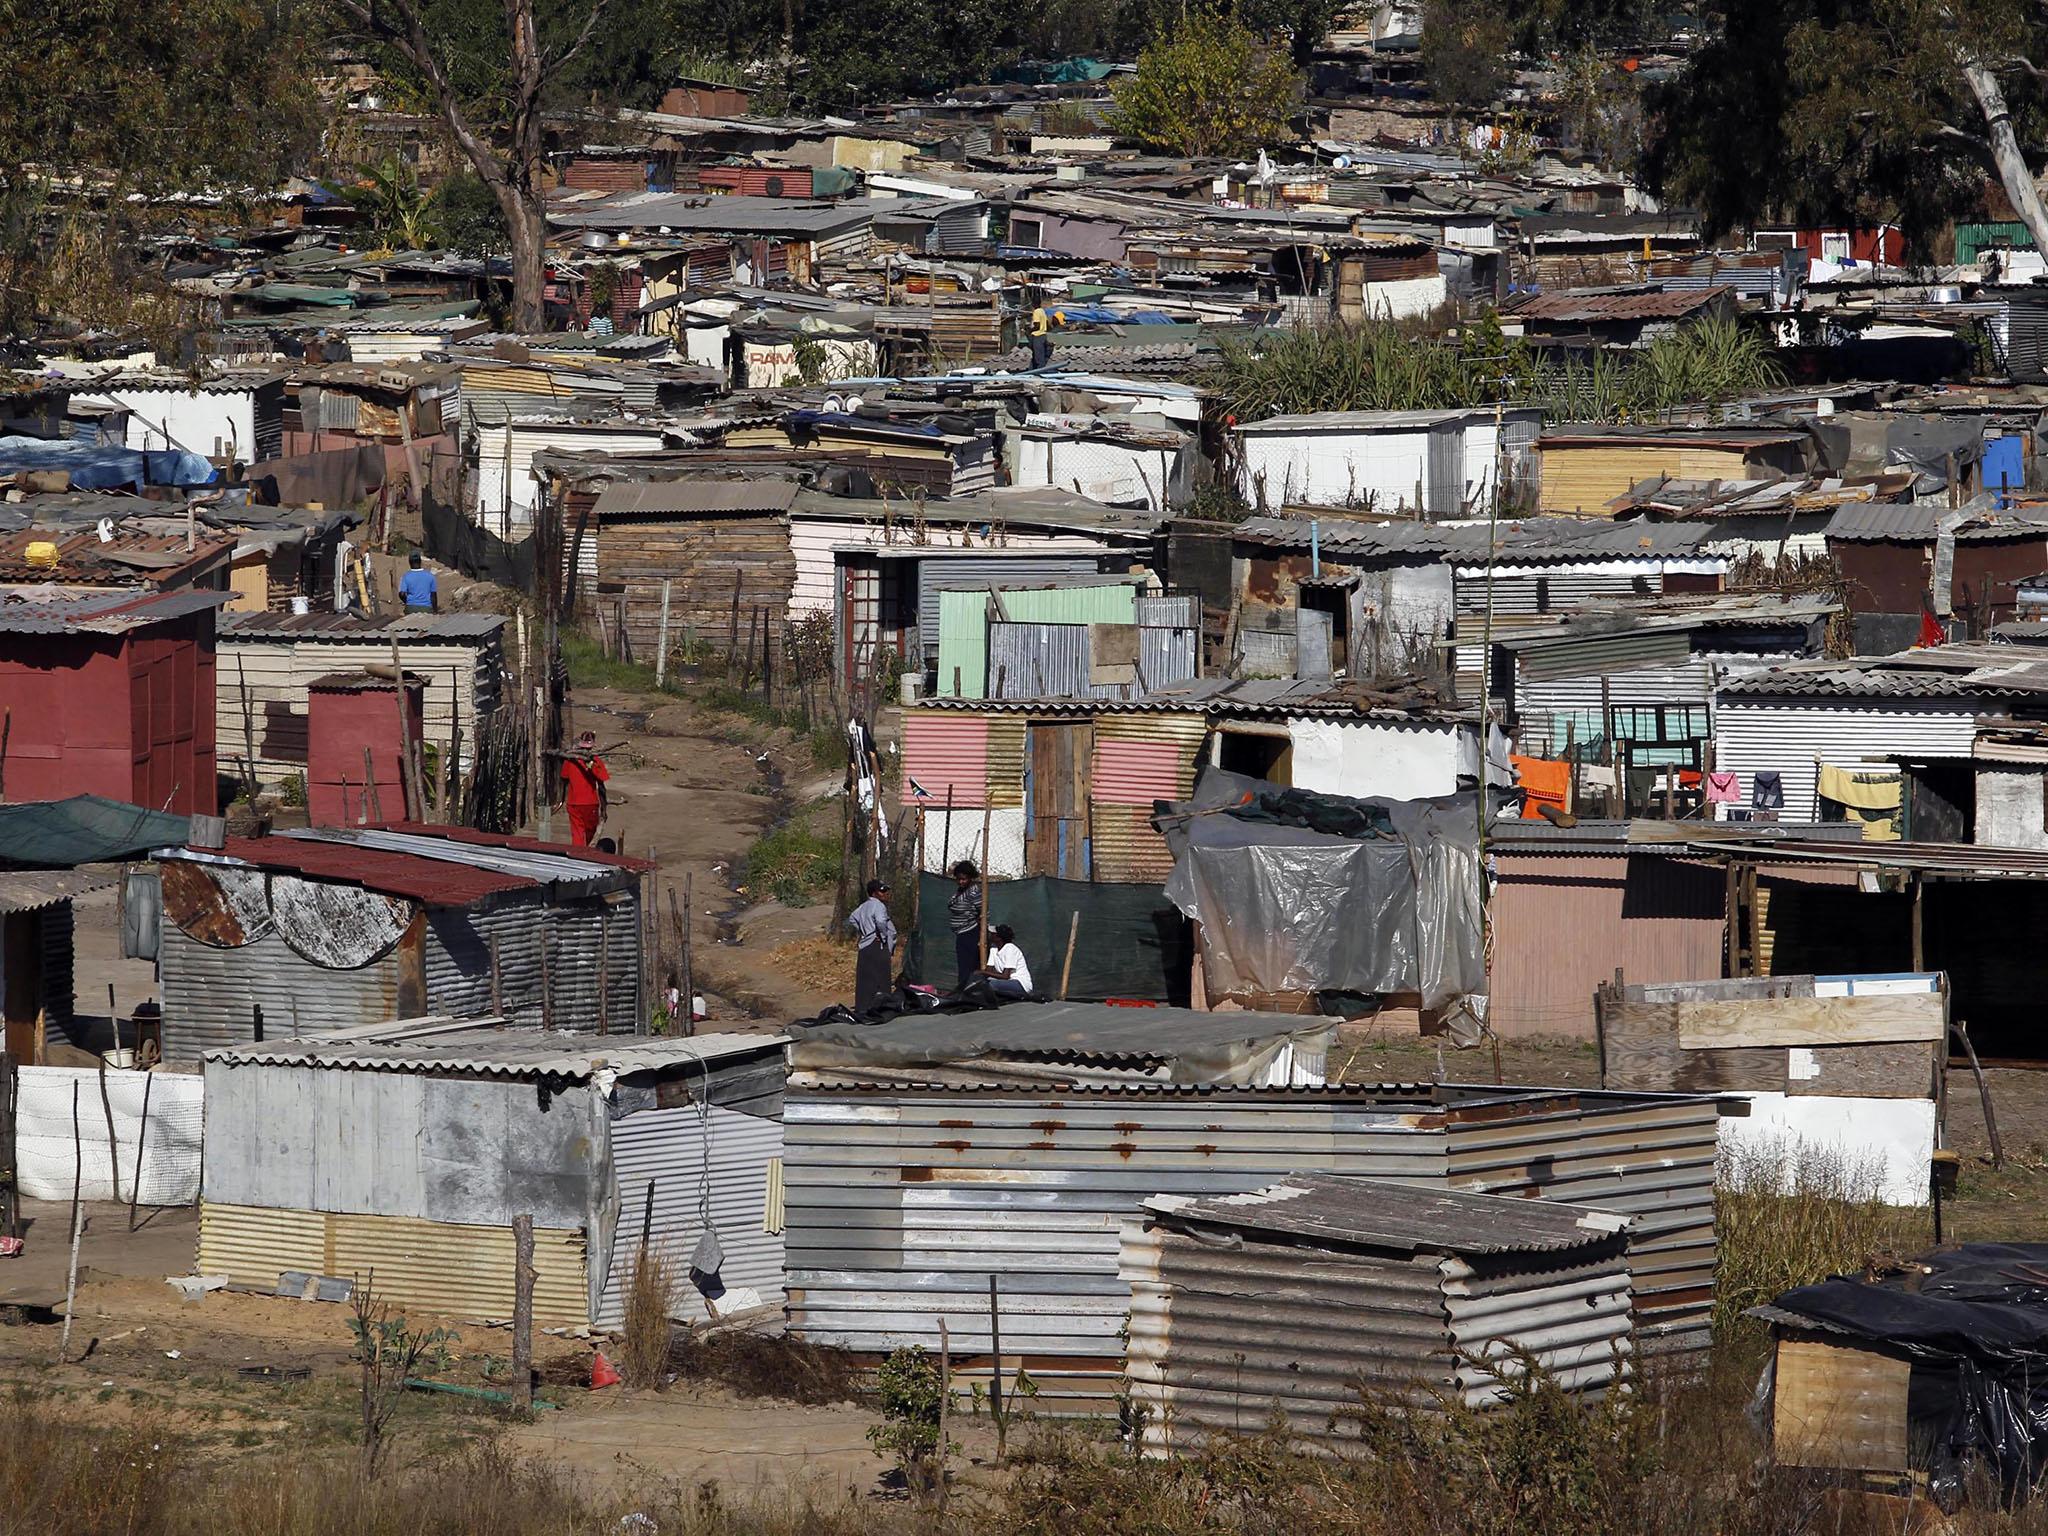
x: 418, y: 589
x: 876, y: 932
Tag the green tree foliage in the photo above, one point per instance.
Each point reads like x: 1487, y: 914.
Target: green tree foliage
x: 398, y: 208
x: 1385, y: 366
x: 1210, y: 88
x: 99, y: 100
x: 1465, y: 46
x: 493, y: 70
x: 465, y: 217
x: 1864, y: 111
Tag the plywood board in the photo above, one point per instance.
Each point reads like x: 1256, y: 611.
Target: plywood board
x: 1640, y: 1051
x: 1864, y: 1071
x: 1839, y: 1406
x: 1813, y: 1021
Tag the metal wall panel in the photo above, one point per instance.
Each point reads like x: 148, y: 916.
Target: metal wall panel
x: 458, y: 1272
x: 966, y: 573
x: 1752, y: 732
x: 210, y: 995
x: 1230, y: 1340
x: 902, y: 1204
x: 1651, y: 1160
x: 946, y: 752
x: 708, y: 1169
x: 458, y: 961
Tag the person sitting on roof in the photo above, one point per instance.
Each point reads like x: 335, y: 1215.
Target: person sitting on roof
x: 1007, y: 972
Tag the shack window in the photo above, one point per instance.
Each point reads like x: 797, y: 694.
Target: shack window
x: 1257, y: 754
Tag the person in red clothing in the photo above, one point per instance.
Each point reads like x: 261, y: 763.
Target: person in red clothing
x: 586, y: 776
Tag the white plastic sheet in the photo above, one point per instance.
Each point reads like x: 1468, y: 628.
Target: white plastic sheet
x: 50, y: 1156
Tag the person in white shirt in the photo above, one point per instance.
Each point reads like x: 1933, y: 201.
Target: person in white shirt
x: 1009, y: 975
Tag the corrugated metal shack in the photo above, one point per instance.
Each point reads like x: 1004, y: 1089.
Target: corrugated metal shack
x: 284, y: 936
x: 1292, y: 1303
x: 409, y: 1147
x: 268, y: 660
x: 904, y: 1201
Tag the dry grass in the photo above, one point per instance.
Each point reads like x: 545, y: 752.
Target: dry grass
x: 650, y: 1299
x: 1789, y: 1216
x: 821, y: 964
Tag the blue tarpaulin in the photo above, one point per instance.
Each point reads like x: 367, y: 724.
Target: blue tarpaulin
x: 105, y: 467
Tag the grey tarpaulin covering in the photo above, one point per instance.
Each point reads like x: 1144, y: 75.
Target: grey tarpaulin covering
x: 1287, y: 908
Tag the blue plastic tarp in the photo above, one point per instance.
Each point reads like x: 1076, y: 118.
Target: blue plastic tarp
x: 105, y: 467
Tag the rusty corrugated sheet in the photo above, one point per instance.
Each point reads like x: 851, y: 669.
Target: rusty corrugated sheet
x: 1127, y: 848
x: 947, y: 755
x: 462, y: 1272
x: 1136, y: 772
x: 1006, y: 734
x: 1186, y: 733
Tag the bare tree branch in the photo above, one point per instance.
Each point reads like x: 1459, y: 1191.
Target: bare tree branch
x: 597, y: 10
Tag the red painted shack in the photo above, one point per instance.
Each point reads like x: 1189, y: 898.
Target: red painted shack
x: 1883, y: 246
x: 110, y: 694
x: 353, y: 739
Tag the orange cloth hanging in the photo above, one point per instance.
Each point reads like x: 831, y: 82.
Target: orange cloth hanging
x: 1544, y: 782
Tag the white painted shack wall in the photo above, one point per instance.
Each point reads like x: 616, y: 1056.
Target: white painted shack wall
x: 222, y: 422
x: 1405, y: 297
x: 1792, y: 736
x: 814, y: 542
x: 505, y: 488
x: 56, y: 1157
x: 1889, y: 1141
x: 1334, y: 467
x: 2012, y: 807
x: 1115, y: 473
x: 1368, y: 758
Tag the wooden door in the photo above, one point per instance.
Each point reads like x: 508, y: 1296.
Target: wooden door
x: 1057, y: 827
x: 21, y: 982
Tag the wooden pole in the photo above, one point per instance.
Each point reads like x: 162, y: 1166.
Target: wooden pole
x: 408, y: 763
x: 689, y: 959
x: 372, y: 806
x: 77, y: 1225
x: 661, y: 651
x: 604, y: 955
x: 1919, y: 931
x: 10, y: 1174
x: 995, y: 1381
x: 248, y: 728
x: 497, y: 980
x: 141, y: 1141
x: 107, y: 1108
x: 1067, y: 969
x: 1961, y: 1032
x: 945, y: 1405
x: 547, y: 985
x: 985, y: 810
x: 523, y: 1276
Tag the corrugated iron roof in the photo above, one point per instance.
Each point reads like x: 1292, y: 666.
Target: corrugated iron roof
x: 758, y: 494
x: 1967, y: 674
x: 1080, y: 1032
x: 432, y: 881
x: 105, y: 613
x: 1558, y: 539
x: 130, y: 559
x: 30, y: 890
x: 533, y: 863
x: 490, y: 1048
x: 1406, y: 1217
x: 1573, y: 308
x: 1919, y: 523
x: 1223, y: 695
x: 348, y: 628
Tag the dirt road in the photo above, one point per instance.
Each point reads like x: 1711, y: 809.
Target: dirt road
x: 693, y: 788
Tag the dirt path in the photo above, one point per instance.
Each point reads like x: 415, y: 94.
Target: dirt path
x: 697, y: 787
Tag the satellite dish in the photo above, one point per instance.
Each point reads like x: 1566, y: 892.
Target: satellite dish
x: 773, y: 186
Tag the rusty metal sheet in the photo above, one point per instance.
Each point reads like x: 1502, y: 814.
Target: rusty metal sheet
x: 218, y: 905
x: 339, y: 927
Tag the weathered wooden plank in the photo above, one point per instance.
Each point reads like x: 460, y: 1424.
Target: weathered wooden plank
x: 1839, y: 1405
x: 1862, y: 1020
x: 1886, y: 1071
x: 1640, y: 1051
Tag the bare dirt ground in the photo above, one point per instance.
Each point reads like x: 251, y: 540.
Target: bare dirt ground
x: 694, y: 787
